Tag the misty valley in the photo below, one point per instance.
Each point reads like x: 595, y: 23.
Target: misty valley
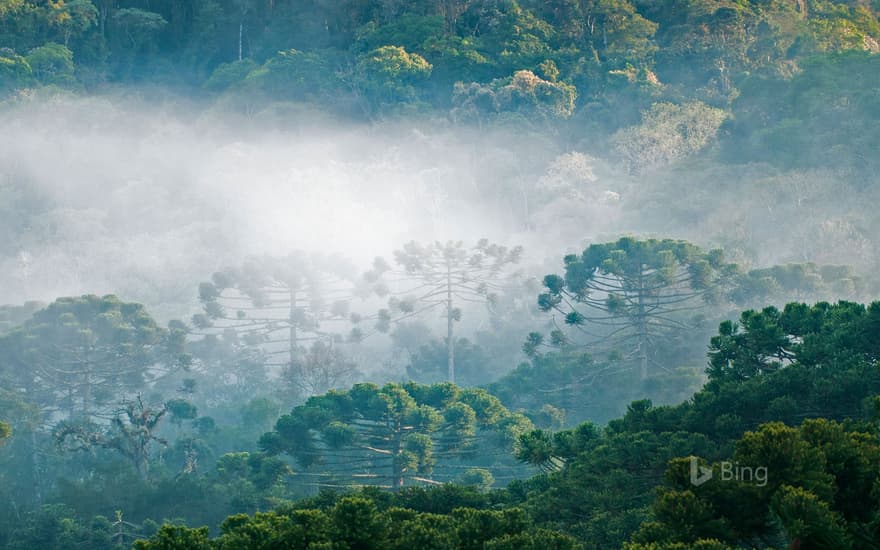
x: 460, y: 274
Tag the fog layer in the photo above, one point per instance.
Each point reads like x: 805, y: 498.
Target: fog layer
x: 104, y: 195
x: 145, y: 199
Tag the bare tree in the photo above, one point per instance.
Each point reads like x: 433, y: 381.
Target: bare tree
x: 131, y: 433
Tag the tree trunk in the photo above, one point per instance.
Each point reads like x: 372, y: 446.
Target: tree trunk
x: 240, y: 32
x: 396, y: 464
x: 643, y: 350
x: 143, y: 468
x: 643, y: 328
x: 450, y: 337
x: 35, y: 465
x: 293, y: 336
x: 71, y: 404
x: 87, y: 391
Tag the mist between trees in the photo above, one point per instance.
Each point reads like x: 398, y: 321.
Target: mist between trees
x: 459, y: 274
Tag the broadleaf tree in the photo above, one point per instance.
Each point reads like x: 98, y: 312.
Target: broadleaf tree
x: 131, y: 433
x: 5, y: 432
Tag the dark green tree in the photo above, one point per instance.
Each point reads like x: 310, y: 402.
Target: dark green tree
x: 181, y: 410
x: 781, y: 284
x: 633, y: 292
x: 79, y: 354
x: 51, y: 64
x: 389, y: 434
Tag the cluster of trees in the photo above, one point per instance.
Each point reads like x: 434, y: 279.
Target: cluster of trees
x: 792, y: 391
x: 818, y: 492
x: 390, y: 434
x: 357, y: 522
x: 114, y: 427
x: 803, y: 362
x: 482, y: 58
x: 106, y: 414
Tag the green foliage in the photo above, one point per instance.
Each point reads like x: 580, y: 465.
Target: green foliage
x: 260, y: 413
x: 138, y: 25
x: 12, y: 316
x: 402, y: 427
x: 176, y: 537
x: 808, y: 519
x: 52, y: 526
x: 594, y: 61
x: 251, y: 472
x: 181, y: 410
x: 798, y: 500
x: 357, y: 522
x: 80, y: 354
x: 524, y: 93
x: 389, y: 75
x: 479, y: 478
x: 228, y: 75
x: 452, y: 57
x: 297, y: 75
x: 51, y: 64
x: 630, y: 291
x: 802, y: 363
x: 798, y: 122
x: 565, y: 387
x: 823, y: 335
x: 72, y: 18
x: 796, y: 282
x: 788, y: 90
x: 15, y: 72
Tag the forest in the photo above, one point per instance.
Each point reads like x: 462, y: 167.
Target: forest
x: 440, y: 274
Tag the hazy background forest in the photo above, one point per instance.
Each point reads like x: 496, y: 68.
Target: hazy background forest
x: 247, y: 247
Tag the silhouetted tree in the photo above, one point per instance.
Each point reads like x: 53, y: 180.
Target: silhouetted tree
x: 440, y: 275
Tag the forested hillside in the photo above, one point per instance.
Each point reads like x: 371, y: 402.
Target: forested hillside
x: 441, y: 274
x: 598, y: 61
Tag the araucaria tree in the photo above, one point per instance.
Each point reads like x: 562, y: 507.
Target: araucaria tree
x: 79, y: 354
x: 440, y: 276
x: 629, y: 292
x: 279, y: 304
x: 400, y: 430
